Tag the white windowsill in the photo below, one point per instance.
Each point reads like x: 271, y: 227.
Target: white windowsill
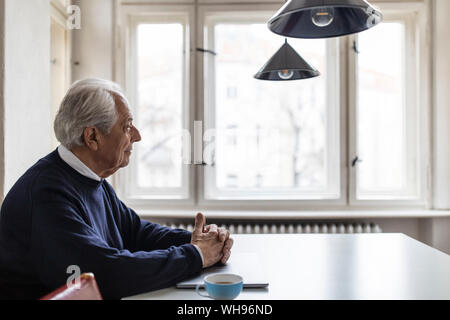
x: 273, y: 214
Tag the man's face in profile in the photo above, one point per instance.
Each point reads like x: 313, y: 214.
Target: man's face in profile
x: 116, y: 147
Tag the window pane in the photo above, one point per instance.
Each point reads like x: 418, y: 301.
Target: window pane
x: 381, y: 115
x: 159, y: 114
x: 271, y: 135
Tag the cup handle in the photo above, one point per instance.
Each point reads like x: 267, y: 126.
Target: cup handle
x: 197, y: 289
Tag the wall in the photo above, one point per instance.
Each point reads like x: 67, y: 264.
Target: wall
x: 93, y: 44
x: 437, y: 231
x: 441, y: 155
x: 25, y: 81
x: 2, y: 99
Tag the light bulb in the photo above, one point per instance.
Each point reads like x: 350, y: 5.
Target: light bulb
x: 285, y: 74
x: 322, y: 17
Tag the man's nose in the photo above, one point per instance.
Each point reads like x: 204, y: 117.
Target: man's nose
x: 136, y: 135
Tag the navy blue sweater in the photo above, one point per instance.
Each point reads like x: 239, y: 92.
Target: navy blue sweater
x: 54, y: 218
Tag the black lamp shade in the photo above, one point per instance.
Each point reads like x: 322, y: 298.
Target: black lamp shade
x: 294, y: 19
x: 288, y: 60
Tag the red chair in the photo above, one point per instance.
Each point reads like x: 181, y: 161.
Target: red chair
x: 87, y: 290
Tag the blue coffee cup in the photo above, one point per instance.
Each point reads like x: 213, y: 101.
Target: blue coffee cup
x: 222, y: 286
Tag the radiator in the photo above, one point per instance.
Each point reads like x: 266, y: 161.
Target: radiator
x: 292, y: 228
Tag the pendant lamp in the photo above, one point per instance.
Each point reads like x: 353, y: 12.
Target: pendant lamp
x: 286, y: 65
x: 314, y: 19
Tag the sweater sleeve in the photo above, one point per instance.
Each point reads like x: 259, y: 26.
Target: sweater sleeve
x: 141, y: 235
x: 61, y: 238
x: 146, y: 236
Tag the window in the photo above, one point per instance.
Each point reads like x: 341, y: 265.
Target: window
x: 357, y: 136
x: 159, y: 93
x: 382, y: 116
x: 273, y: 140
x: 388, y: 161
x: 381, y: 110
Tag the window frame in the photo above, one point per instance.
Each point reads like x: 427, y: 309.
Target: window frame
x: 218, y: 204
x: 415, y: 16
x: 59, y: 16
x: 210, y: 16
x: 347, y: 201
x: 128, y: 18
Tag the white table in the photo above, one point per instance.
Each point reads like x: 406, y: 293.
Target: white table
x: 339, y: 266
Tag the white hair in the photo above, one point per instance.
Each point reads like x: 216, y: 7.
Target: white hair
x: 88, y: 103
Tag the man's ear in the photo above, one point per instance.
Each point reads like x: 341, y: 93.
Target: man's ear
x: 91, y: 138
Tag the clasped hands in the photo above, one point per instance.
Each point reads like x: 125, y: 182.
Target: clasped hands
x: 214, y: 242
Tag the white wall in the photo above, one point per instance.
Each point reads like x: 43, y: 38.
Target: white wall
x: 437, y: 231
x: 441, y: 154
x: 2, y: 99
x: 26, y: 85
x: 93, y: 43
x: 25, y: 121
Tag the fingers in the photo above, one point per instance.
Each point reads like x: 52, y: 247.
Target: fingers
x: 223, y: 234
x: 228, y: 244
x: 225, y: 257
x: 211, y: 231
x: 200, y: 221
x: 227, y: 250
x: 214, y: 231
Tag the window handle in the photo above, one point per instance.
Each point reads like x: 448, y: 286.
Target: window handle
x: 355, y: 47
x: 355, y: 161
x: 204, y: 164
x: 207, y: 51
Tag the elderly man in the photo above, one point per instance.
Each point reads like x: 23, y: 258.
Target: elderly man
x: 62, y: 212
